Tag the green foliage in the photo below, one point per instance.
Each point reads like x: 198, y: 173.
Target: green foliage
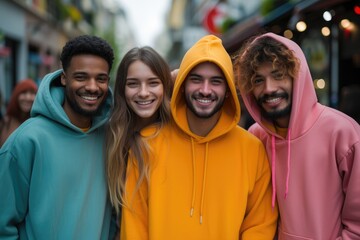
x: 110, y: 36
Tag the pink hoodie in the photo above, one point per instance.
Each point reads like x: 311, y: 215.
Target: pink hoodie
x: 316, y: 169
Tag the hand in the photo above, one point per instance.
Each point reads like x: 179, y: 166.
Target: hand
x: 174, y: 74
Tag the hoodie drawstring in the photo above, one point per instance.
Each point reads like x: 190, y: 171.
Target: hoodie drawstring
x: 288, y: 164
x: 273, y: 171
x: 204, y: 181
x: 273, y: 167
x: 194, y: 180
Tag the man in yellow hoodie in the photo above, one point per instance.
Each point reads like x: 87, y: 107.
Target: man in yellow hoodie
x: 207, y: 177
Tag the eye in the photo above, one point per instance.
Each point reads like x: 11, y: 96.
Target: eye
x: 80, y: 77
x: 195, y: 79
x: 257, y: 81
x: 217, y: 81
x: 155, y: 83
x: 102, y: 78
x: 132, y: 84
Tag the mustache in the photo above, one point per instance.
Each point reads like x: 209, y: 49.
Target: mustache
x: 207, y: 96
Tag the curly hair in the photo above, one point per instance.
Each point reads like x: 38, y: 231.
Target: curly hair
x: 123, y: 128
x: 86, y: 44
x: 259, y: 50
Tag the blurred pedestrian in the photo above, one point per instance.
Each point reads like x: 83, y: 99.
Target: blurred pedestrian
x: 18, y: 109
x: 52, y: 171
x: 206, y: 178
x: 314, y: 149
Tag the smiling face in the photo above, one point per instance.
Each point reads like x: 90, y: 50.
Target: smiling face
x: 272, y: 90
x: 26, y: 100
x: 86, y: 82
x: 205, y: 89
x: 143, y: 91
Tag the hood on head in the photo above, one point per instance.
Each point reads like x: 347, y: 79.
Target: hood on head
x: 304, y: 96
x: 207, y: 49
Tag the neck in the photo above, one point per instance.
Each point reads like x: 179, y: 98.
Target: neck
x: 144, y: 122
x: 77, y: 119
x: 282, y: 122
x: 201, y: 126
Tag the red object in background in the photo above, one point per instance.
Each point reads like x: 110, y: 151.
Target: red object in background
x: 211, y: 19
x: 5, y: 51
x: 357, y: 9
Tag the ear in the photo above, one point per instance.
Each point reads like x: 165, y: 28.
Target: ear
x: 63, y: 79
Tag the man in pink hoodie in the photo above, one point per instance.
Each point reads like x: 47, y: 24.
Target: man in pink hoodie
x: 314, y: 150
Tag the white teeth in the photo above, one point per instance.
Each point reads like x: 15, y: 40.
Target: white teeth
x: 204, y: 100
x: 143, y: 102
x: 272, y: 100
x: 91, y: 98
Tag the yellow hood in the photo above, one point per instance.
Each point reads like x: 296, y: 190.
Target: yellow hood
x: 207, y: 49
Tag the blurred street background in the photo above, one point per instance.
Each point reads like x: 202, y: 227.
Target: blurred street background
x: 33, y: 32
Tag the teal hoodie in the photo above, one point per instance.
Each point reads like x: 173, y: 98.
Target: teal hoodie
x: 52, y: 175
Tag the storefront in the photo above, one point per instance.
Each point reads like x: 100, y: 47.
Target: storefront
x: 329, y: 36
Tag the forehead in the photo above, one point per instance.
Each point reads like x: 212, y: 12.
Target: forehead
x: 139, y: 69
x: 88, y: 63
x: 265, y: 68
x: 207, y: 69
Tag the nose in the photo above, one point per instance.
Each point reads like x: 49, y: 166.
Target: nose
x: 144, y: 91
x: 270, y: 85
x: 205, y: 88
x: 92, y: 85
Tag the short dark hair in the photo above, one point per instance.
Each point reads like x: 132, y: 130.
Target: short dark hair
x: 87, y: 44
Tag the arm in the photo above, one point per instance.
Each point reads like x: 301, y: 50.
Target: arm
x: 134, y: 219
x: 14, y: 192
x: 349, y: 168
x: 260, y: 221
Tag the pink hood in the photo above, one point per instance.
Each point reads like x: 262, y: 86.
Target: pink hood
x: 303, y: 92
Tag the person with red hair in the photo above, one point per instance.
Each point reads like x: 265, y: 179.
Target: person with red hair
x: 18, y: 109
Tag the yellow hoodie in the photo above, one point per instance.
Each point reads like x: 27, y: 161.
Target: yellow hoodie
x: 212, y: 187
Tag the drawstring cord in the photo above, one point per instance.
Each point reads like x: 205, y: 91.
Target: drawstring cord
x: 194, y: 178
x: 273, y: 167
x: 273, y: 171
x: 204, y: 181
x: 288, y: 165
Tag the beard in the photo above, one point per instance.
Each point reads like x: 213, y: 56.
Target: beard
x: 77, y: 108
x: 276, y: 113
x: 204, y: 115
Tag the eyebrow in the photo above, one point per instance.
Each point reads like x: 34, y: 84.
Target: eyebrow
x: 201, y: 76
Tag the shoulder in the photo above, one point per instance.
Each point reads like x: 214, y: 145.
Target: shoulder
x: 339, y: 121
x: 244, y: 137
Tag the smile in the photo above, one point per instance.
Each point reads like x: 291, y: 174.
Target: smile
x: 144, y: 102
x: 273, y: 100
x: 204, y: 100
x: 90, y: 98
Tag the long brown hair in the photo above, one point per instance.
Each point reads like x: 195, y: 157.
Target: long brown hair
x: 123, y: 136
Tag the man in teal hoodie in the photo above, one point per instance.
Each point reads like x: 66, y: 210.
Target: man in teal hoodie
x: 53, y: 183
